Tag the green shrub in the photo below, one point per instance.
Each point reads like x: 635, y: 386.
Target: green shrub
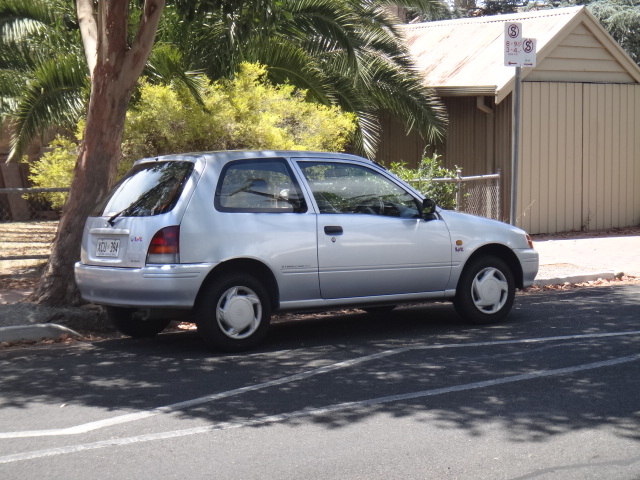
x: 246, y: 112
x: 421, y: 178
x: 55, y: 169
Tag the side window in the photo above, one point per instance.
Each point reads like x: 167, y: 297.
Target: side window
x: 347, y: 188
x: 259, y: 186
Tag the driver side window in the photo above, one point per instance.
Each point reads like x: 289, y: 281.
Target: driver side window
x: 347, y: 188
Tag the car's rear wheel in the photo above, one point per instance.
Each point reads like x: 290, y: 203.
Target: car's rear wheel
x: 135, y: 322
x: 233, y: 313
x: 486, y: 291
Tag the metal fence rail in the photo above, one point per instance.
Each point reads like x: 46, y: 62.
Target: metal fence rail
x: 24, y: 204
x: 478, y: 195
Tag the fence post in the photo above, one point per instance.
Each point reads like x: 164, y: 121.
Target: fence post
x: 499, y: 196
x: 458, y: 186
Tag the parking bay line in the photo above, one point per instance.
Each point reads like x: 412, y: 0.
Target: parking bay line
x: 309, y: 412
x: 91, y: 426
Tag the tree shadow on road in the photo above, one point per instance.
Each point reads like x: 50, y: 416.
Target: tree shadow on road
x: 419, y: 362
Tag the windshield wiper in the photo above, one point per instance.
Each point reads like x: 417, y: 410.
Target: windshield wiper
x: 139, y: 202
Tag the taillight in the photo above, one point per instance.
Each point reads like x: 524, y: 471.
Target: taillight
x: 165, y: 246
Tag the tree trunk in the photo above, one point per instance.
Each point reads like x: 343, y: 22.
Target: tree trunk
x: 116, y: 71
x: 93, y: 176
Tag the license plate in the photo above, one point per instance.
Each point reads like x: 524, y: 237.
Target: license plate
x: 108, y: 247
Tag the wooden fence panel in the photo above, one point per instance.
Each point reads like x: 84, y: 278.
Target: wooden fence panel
x: 579, y: 160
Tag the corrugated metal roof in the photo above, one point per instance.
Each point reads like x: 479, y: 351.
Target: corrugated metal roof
x: 466, y: 56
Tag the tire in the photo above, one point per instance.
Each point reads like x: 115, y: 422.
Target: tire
x: 134, y: 322
x: 233, y: 313
x: 486, y: 291
x: 379, y: 310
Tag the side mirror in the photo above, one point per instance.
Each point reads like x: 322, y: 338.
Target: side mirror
x: 429, y: 209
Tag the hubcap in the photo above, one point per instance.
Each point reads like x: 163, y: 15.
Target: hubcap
x: 238, y: 312
x: 490, y: 290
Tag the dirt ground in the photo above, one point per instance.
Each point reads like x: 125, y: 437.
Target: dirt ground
x: 24, y: 239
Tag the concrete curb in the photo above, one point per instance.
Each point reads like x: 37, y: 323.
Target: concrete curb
x: 577, y: 278
x: 35, y: 332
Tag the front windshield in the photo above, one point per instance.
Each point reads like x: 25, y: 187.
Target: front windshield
x: 147, y: 189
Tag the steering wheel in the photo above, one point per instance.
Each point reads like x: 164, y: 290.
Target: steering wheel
x: 370, y: 206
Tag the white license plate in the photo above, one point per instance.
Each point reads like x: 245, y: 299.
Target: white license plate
x: 108, y: 247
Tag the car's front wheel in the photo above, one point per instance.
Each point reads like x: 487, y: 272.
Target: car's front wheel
x: 135, y: 322
x: 233, y: 313
x: 486, y: 291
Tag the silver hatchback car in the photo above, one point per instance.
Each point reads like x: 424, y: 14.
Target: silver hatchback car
x: 227, y: 238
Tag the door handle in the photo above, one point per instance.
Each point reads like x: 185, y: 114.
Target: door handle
x: 333, y: 230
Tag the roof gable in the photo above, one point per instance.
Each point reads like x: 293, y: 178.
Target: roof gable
x: 466, y: 56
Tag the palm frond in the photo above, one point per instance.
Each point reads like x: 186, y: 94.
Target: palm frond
x: 400, y: 93
x: 57, y: 96
x: 12, y: 83
x: 166, y: 65
x: 289, y: 63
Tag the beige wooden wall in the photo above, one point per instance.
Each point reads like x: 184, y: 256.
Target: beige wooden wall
x: 475, y: 139
x: 581, y: 56
x: 579, y: 157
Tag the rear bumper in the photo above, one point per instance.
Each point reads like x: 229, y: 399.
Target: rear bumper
x: 170, y: 286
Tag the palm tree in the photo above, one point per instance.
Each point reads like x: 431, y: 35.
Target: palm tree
x: 43, y: 75
x: 344, y: 52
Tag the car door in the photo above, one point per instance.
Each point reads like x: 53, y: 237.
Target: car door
x: 371, y: 240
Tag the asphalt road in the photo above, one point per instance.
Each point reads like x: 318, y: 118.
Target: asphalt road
x: 554, y: 393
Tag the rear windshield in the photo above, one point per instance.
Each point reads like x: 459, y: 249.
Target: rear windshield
x: 147, y: 189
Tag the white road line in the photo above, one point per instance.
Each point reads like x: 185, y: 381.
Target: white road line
x: 50, y: 452
x: 132, y: 417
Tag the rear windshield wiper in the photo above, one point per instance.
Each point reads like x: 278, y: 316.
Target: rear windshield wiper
x: 138, y: 203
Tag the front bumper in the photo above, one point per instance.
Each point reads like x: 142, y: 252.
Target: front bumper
x: 169, y: 286
x: 529, y: 259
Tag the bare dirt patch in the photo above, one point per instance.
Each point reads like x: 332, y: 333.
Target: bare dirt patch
x: 21, y: 246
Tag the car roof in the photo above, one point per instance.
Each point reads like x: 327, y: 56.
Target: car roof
x: 224, y: 156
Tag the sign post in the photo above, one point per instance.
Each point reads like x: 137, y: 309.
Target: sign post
x: 518, y: 52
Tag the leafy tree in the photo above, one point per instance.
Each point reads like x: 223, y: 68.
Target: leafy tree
x: 500, y: 7
x: 244, y: 113
x: 621, y: 18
